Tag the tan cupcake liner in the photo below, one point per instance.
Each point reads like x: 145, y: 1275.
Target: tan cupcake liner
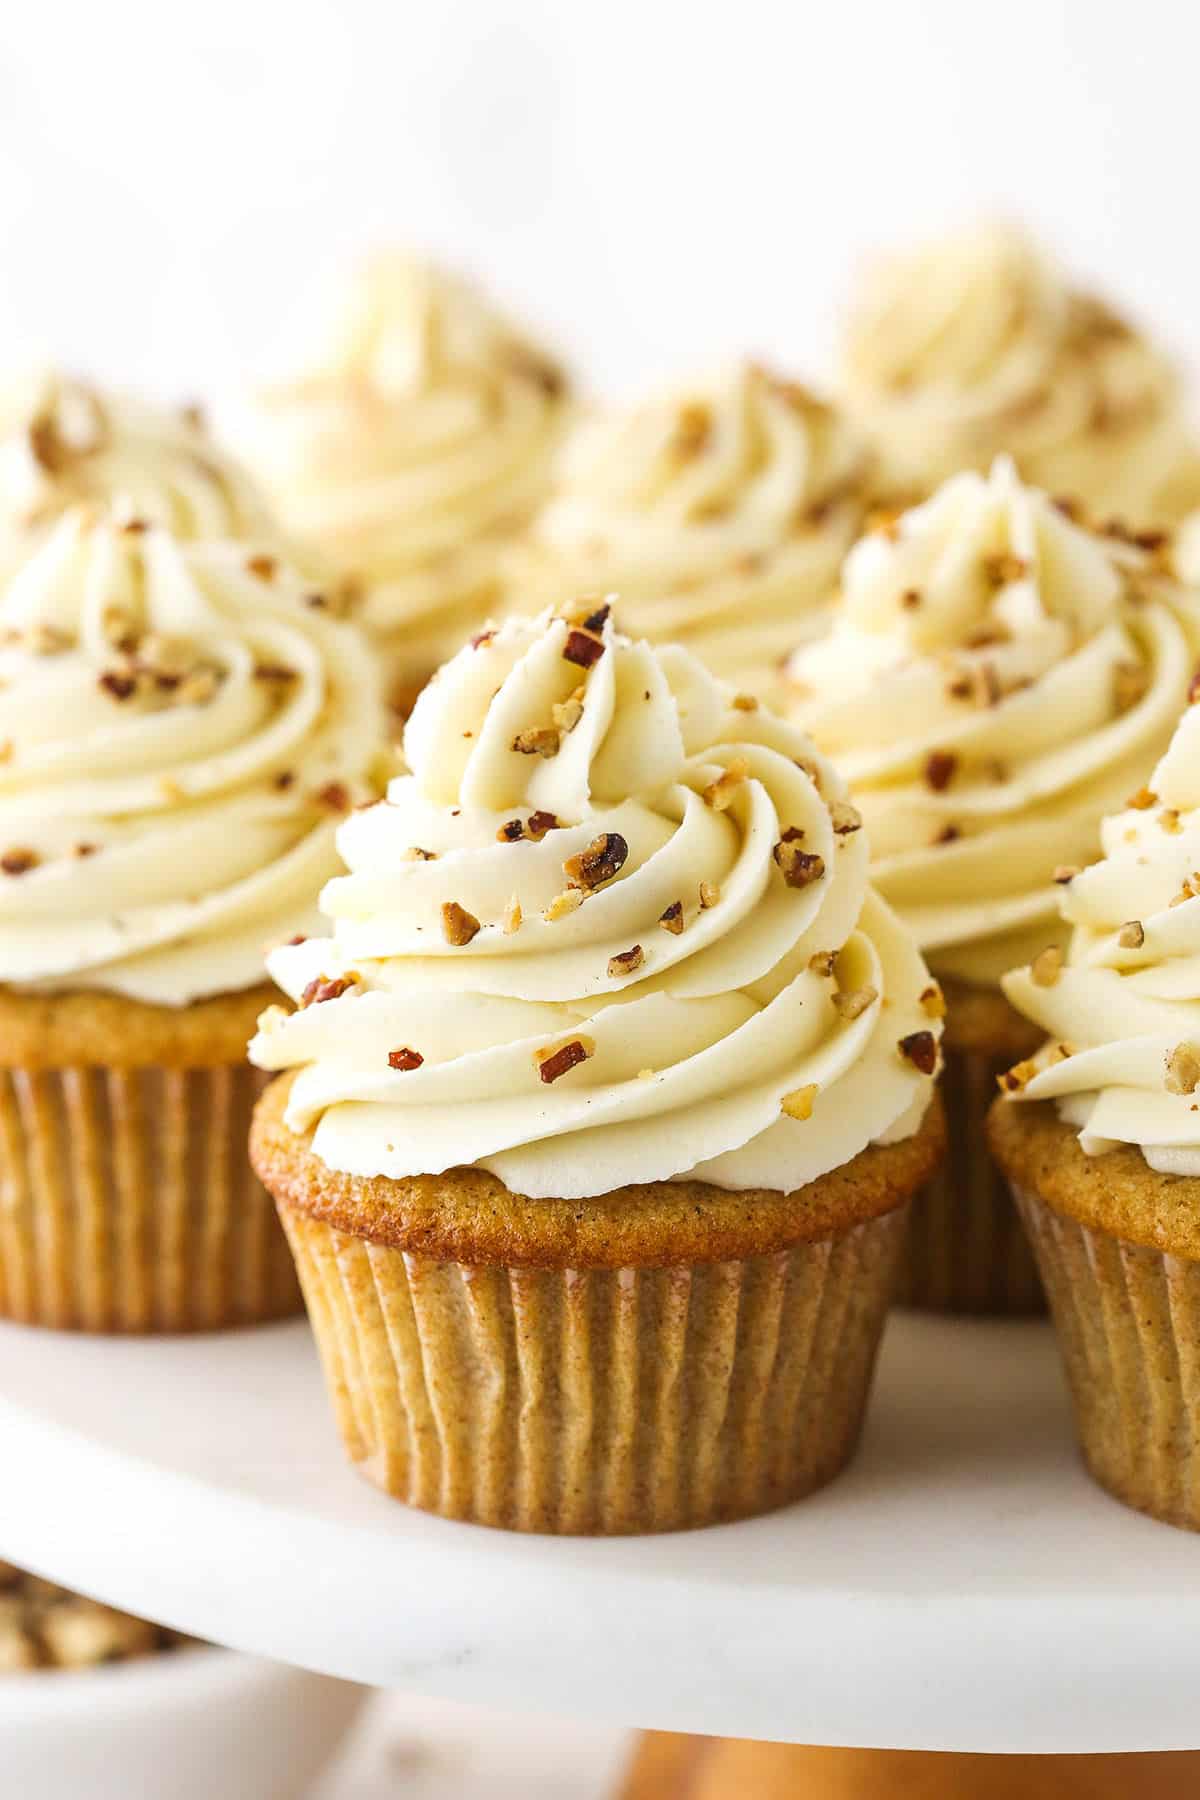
x: 127, y: 1203
x: 966, y: 1251
x: 1128, y: 1325
x: 598, y: 1400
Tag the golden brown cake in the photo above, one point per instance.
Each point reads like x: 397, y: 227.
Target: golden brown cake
x: 996, y: 679
x: 180, y: 731
x: 607, y: 1096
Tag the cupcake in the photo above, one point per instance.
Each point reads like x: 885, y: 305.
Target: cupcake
x: 180, y: 732
x: 605, y: 1099
x: 978, y: 344
x: 416, y: 446
x: 1103, y: 1151
x: 66, y: 443
x: 997, y: 679
x: 720, y: 512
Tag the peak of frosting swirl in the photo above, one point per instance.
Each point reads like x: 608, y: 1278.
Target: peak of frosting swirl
x: 65, y: 442
x: 417, y: 443
x: 180, y: 730
x: 612, y: 928
x: 719, y: 511
x: 1123, y: 1015
x: 996, y: 680
x: 976, y: 344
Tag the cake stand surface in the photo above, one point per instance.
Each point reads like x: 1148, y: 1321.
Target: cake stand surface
x: 962, y: 1587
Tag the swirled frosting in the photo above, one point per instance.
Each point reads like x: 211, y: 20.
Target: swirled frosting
x: 419, y: 442
x: 997, y: 679
x: 1123, y: 1015
x: 976, y: 344
x: 180, y: 730
x: 612, y: 928
x: 65, y: 442
x: 719, y: 511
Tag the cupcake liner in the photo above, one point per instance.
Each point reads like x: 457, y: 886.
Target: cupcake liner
x: 966, y: 1251
x: 598, y: 1401
x: 127, y: 1203
x: 1128, y: 1325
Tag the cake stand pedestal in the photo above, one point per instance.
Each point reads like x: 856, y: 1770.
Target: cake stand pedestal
x: 963, y: 1587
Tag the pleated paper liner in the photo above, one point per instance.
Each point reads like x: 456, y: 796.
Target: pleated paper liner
x: 127, y: 1202
x: 1128, y: 1324
x: 966, y: 1250
x: 598, y: 1400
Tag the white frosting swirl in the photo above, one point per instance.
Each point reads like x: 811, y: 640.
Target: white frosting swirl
x: 1124, y: 1014
x: 65, y: 442
x: 997, y: 679
x: 719, y: 511
x: 694, y: 1037
x: 179, y: 731
x: 975, y: 344
x: 418, y: 444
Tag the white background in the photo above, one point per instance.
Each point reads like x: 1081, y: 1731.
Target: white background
x: 655, y: 183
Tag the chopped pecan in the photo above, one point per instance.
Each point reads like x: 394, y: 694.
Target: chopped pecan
x: 939, y: 769
x: 920, y: 1049
x: 799, y: 868
x: 582, y: 649
x: 672, y: 919
x: 539, y: 740
x: 799, y: 1103
x: 458, y: 925
x: 551, y: 1064
x: 405, y: 1059
x: 626, y: 962
x: 603, y: 859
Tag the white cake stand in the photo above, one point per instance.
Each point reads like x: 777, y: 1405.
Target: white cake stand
x: 962, y: 1587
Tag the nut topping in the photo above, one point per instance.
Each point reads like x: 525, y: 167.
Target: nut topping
x: 328, y: 987
x: 853, y: 1003
x: 552, y: 1064
x: 719, y: 794
x: 1143, y: 800
x: 569, y: 901
x: 582, y: 649
x: 920, y: 1049
x: 939, y: 770
x: 710, y: 895
x: 511, y: 921
x: 458, y: 925
x: 845, y: 818
x: 1183, y: 1069
x: 405, y: 1059
x: 933, y: 1001
x: 603, y: 859
x: 539, y: 740
x: 799, y: 868
x: 19, y: 862
x: 1047, y: 966
x: 799, y: 1103
x: 626, y: 962
x: 672, y: 919
x: 1132, y: 935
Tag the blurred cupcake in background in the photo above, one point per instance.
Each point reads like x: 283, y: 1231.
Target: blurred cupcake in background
x: 66, y: 442
x: 1104, y: 1152
x: 996, y: 680
x: 417, y: 443
x: 977, y: 343
x: 43, y: 1626
x: 606, y: 1098
x: 719, y: 512
x: 182, y: 726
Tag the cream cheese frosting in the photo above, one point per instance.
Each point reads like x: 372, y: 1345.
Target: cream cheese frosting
x: 181, y: 728
x: 720, y: 511
x: 66, y: 442
x: 997, y: 679
x: 1123, y: 1014
x: 976, y: 344
x: 419, y: 441
x: 613, y: 927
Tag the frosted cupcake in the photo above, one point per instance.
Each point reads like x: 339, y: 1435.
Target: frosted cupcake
x: 608, y: 1093
x: 418, y: 443
x: 720, y: 512
x: 997, y: 679
x: 180, y: 732
x: 66, y: 442
x: 1104, y: 1151
x: 977, y: 344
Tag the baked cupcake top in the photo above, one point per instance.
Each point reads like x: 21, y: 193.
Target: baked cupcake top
x: 420, y: 439
x: 977, y: 344
x: 180, y: 730
x: 613, y: 928
x: 719, y: 511
x: 1123, y: 1013
x: 996, y: 680
x: 64, y: 442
